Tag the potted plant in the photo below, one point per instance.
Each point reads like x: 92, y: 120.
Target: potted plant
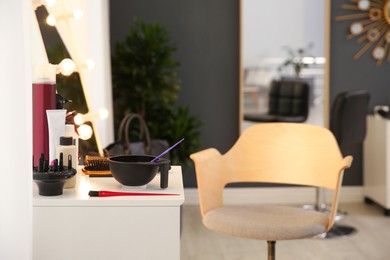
x: 146, y: 82
x: 297, y: 59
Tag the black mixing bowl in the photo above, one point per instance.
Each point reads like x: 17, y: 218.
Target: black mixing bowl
x: 138, y: 170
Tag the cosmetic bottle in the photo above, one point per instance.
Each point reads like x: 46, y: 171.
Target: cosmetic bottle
x: 56, y: 126
x: 70, y: 131
x: 67, y: 148
x: 44, y: 98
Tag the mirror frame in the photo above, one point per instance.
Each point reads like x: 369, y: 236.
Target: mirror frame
x: 386, y: 7
x: 327, y: 11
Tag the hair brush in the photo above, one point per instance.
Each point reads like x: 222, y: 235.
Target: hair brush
x: 96, y: 166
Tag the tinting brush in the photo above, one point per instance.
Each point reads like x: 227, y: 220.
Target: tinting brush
x: 166, y: 151
x: 105, y: 193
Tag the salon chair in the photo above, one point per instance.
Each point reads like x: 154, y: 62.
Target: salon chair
x: 279, y: 153
x: 348, y: 117
x: 348, y: 125
x: 288, y: 102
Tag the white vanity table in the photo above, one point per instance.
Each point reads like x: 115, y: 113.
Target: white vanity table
x: 78, y: 227
x: 376, y: 182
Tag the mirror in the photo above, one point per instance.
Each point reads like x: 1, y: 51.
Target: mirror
x: 386, y: 11
x: 68, y: 86
x: 369, y: 25
x: 283, y: 40
x: 66, y: 31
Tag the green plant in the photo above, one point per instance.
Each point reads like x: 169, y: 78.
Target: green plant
x: 296, y: 59
x: 145, y: 81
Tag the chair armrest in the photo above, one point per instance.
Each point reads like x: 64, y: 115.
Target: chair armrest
x: 209, y: 171
x: 205, y: 155
x: 346, y: 163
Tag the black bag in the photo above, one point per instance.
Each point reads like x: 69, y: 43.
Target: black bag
x: 148, y: 146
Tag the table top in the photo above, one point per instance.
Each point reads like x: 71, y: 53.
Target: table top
x: 78, y: 196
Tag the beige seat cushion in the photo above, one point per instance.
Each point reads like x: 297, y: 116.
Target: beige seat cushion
x: 266, y: 222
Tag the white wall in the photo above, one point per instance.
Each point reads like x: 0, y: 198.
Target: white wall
x: 270, y: 25
x: 16, y: 127
x: 100, y: 81
x: 16, y: 131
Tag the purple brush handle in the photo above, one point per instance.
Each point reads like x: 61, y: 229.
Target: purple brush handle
x: 167, y: 150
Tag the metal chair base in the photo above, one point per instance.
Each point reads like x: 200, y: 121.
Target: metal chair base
x: 339, y: 231
x: 271, y: 250
x: 339, y: 215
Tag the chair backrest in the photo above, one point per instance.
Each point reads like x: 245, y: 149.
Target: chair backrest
x: 348, y: 117
x: 289, y: 98
x: 288, y: 153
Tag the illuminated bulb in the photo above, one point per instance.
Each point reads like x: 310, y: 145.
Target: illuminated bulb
x: 103, y: 113
x: 38, y: 3
x: 85, y: 132
x: 82, y: 118
x: 51, y: 20
x: 78, y: 119
x: 77, y: 14
x: 51, y: 2
x: 90, y: 64
x: 67, y: 67
x: 320, y: 60
x: 308, y: 60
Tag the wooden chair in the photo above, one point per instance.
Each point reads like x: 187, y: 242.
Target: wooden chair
x: 349, y: 126
x: 281, y: 153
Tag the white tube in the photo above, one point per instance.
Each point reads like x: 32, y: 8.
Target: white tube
x: 56, y: 125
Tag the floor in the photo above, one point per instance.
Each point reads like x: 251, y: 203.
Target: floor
x: 371, y: 242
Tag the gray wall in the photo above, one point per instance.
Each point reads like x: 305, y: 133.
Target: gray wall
x: 206, y: 34
x: 349, y: 74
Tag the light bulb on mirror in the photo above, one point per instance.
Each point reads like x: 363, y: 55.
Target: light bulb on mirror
x: 103, y: 113
x: 66, y: 67
x: 78, y: 119
x: 51, y: 2
x: 90, y: 64
x: 51, y: 20
x: 85, y: 132
x: 38, y: 3
x: 77, y: 14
